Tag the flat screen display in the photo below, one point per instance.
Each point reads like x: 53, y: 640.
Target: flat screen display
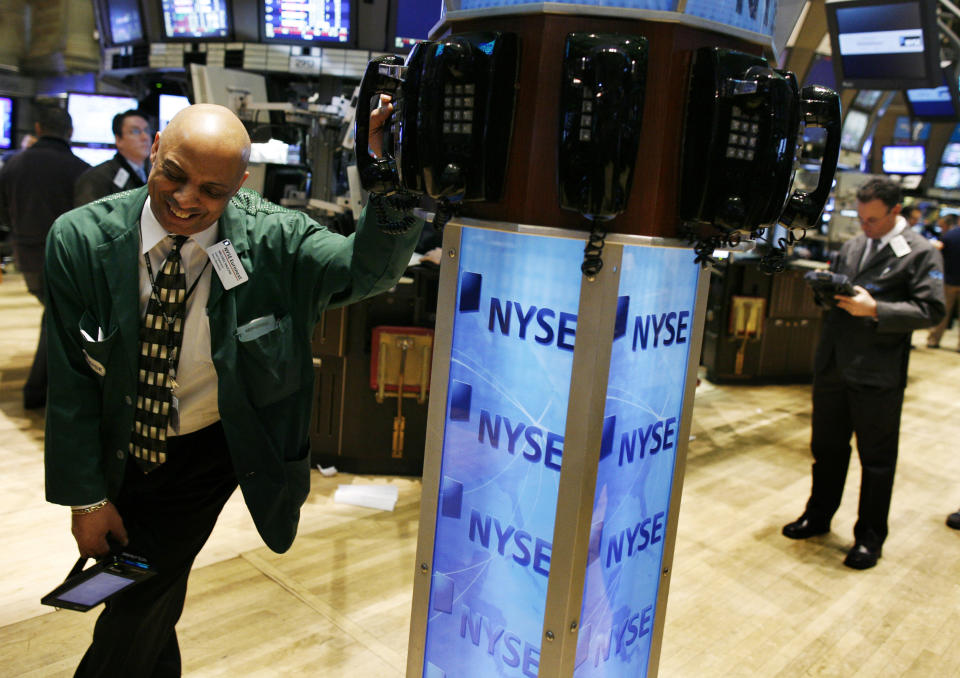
x: 92, y: 116
x: 904, y: 159
x: 6, y: 122
x: 935, y: 103
x: 867, y: 98
x: 170, y: 105
x: 93, y: 155
x: 414, y: 19
x: 951, y: 154
x: 854, y: 127
x: 902, y: 129
x: 884, y: 44
x: 948, y: 178
x: 821, y: 72
x: 190, y: 19
x: 124, y: 21
x: 310, y: 21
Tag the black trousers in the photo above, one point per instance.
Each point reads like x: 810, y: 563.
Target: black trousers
x: 168, y: 514
x: 35, y: 388
x: 839, y: 410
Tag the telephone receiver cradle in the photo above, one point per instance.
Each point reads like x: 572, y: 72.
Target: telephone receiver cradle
x: 454, y: 102
x: 821, y: 108
x: 742, y: 131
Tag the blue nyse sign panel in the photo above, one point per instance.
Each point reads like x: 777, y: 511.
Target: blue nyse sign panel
x: 510, y: 366
x: 753, y: 15
x: 648, y: 370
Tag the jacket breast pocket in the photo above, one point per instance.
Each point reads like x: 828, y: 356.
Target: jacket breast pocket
x: 96, y: 345
x: 268, y: 360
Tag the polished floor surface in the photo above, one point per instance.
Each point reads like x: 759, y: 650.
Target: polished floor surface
x: 744, y: 601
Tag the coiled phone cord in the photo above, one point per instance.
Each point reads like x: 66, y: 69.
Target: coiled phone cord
x: 400, y: 201
x: 593, y: 250
x: 446, y: 210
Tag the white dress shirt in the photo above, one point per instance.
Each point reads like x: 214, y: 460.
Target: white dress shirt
x: 196, y: 388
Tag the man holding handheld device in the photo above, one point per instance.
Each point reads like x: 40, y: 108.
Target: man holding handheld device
x: 180, y: 318
x: 860, y: 368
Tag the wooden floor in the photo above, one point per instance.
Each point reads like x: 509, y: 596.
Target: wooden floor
x: 744, y: 601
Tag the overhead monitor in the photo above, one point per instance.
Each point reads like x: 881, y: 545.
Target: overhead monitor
x: 6, y: 122
x: 170, y: 105
x: 92, y: 116
x: 904, y: 159
x: 884, y: 44
x: 951, y: 154
x: 821, y: 72
x: 93, y: 155
x: 122, y: 22
x: 854, y: 127
x: 315, y: 22
x: 411, y: 21
x: 936, y: 104
x: 948, y: 178
x: 902, y: 130
x: 867, y: 98
x: 193, y: 19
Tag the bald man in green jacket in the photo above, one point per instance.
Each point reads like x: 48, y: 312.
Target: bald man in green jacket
x: 235, y: 382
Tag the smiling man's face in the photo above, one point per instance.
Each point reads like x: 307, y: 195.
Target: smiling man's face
x: 198, y: 163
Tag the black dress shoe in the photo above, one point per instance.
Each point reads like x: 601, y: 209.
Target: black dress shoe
x: 953, y: 520
x: 861, y: 557
x: 804, y: 527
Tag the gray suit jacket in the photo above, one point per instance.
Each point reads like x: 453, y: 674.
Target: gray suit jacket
x: 909, y: 293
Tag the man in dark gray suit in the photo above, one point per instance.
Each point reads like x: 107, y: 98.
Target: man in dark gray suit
x: 860, y: 369
x: 124, y: 171
x: 36, y: 187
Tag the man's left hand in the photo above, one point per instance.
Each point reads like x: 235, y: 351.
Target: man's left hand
x: 861, y: 304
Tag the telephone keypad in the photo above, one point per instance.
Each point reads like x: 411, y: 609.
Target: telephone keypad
x: 586, y: 115
x: 458, y: 102
x: 744, y: 132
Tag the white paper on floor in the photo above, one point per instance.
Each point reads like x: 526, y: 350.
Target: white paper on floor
x: 383, y: 497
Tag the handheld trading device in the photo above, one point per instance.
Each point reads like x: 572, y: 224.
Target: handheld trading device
x: 85, y: 589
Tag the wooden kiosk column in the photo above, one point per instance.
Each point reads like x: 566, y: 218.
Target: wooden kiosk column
x: 560, y: 405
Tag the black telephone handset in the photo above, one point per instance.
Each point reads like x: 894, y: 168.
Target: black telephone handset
x: 740, y: 141
x: 821, y: 108
x: 601, y: 111
x: 377, y: 175
x: 466, y: 106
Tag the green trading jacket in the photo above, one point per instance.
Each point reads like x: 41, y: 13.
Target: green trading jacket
x: 296, y: 269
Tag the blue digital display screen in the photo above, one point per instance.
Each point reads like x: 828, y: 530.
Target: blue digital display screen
x: 753, y: 15
x: 415, y: 18
x: 511, y: 360
x: 124, y: 19
x: 196, y: 18
x: 6, y: 122
x: 510, y: 366
x: 648, y: 372
x: 307, y: 21
x: 882, y: 41
x: 934, y: 102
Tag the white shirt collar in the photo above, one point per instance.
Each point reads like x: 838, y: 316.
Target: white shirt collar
x: 898, y: 227
x: 151, y: 232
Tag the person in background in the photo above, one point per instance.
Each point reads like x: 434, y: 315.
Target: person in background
x: 180, y: 318
x: 914, y: 217
x: 124, y: 171
x: 36, y: 187
x: 949, y: 246
x: 860, y: 367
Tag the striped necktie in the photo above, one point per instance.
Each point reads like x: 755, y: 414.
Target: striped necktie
x: 161, y: 335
